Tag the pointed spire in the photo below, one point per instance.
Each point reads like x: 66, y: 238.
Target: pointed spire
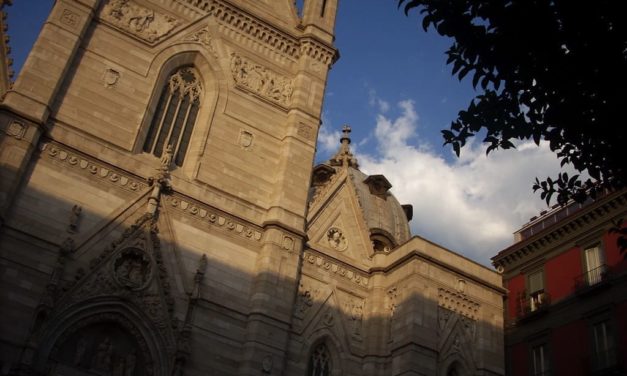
x: 344, y: 157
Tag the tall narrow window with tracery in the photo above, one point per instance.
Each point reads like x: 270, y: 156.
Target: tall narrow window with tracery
x: 175, y: 115
x: 319, y: 362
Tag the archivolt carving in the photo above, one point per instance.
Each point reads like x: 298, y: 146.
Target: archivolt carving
x: 261, y: 80
x: 96, y: 343
x: 125, y: 268
x: 89, y: 167
x: 140, y: 21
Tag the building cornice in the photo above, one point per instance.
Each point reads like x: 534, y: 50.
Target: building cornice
x: 604, y: 209
x: 276, y: 39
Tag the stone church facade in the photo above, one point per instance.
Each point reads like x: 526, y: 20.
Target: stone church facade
x: 160, y: 213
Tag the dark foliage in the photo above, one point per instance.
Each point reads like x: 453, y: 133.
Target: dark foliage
x: 553, y: 70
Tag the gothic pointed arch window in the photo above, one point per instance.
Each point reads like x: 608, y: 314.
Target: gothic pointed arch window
x: 319, y: 361
x: 175, y: 115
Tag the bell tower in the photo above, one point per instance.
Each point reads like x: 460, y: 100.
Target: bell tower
x: 164, y: 148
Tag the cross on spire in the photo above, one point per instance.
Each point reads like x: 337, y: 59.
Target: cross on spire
x: 344, y: 156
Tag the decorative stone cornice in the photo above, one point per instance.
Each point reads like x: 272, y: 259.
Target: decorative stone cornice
x: 238, y: 22
x: 318, y: 51
x: 345, y: 271
x: 90, y: 167
x: 458, y: 303
x: 246, y: 24
x: 212, y: 217
x: 604, y: 210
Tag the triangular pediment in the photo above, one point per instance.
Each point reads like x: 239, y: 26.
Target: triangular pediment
x: 457, y: 335
x: 122, y: 263
x: 328, y: 316
x: 337, y: 227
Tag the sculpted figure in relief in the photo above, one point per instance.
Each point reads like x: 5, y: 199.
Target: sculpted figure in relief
x: 261, y: 80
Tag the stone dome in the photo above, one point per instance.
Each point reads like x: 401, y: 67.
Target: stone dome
x: 384, y: 215
x: 386, y: 219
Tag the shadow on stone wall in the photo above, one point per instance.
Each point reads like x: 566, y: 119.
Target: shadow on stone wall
x: 198, y: 291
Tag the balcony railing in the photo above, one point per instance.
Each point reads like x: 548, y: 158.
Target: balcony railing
x: 537, y: 302
x: 592, y: 277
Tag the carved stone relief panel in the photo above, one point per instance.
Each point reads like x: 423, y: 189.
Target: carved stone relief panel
x: 261, y: 80
x: 137, y: 20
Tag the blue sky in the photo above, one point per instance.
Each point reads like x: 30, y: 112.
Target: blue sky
x: 393, y: 87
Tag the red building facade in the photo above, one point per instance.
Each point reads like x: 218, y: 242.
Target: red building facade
x: 566, y: 307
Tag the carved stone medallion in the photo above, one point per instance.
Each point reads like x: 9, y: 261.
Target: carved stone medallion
x: 336, y: 239
x: 132, y: 268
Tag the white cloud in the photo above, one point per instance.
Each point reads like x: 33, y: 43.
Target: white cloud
x: 374, y: 101
x: 471, y: 205
x: 328, y: 141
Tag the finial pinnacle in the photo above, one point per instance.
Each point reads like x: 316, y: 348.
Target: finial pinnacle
x: 344, y: 157
x: 346, y: 130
